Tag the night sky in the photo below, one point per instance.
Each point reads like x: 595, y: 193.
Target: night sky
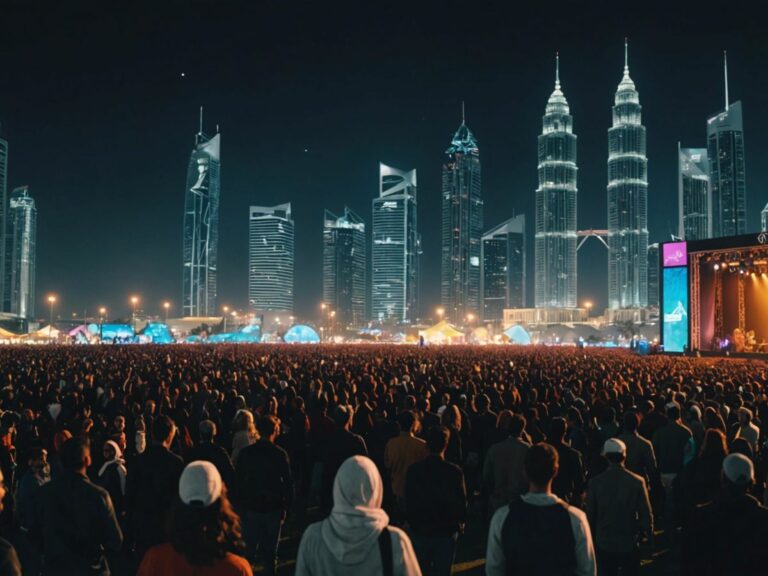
x: 100, y: 108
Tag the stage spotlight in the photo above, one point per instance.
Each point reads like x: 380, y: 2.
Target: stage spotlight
x: 717, y: 266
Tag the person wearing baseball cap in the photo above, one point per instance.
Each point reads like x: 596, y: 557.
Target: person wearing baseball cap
x: 204, y: 531
x: 727, y: 536
x: 619, y: 512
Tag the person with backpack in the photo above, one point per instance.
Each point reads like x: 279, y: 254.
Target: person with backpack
x: 538, y: 533
x: 356, y: 538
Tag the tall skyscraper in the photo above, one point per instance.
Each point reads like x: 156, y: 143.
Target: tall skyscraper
x: 20, y: 249
x: 555, y: 240
x: 344, y: 266
x: 396, y: 247
x: 201, y: 225
x: 462, y: 226
x: 727, y: 174
x: 764, y: 219
x: 3, y: 212
x: 270, y: 258
x: 627, y: 200
x: 503, y: 257
x: 694, y: 202
x: 653, y: 275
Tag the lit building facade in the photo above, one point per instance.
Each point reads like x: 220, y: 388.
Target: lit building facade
x: 627, y: 200
x: 201, y: 226
x: 396, y: 247
x: 344, y: 267
x: 503, y: 268
x: 727, y: 172
x: 694, y: 202
x: 3, y: 213
x: 462, y: 227
x: 270, y: 258
x: 556, y: 196
x: 764, y: 219
x: 21, y: 238
x: 653, y: 275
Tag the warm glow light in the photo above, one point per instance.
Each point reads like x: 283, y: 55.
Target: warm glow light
x: 588, y: 304
x: 102, y: 311
x: 440, y: 311
x: 166, y: 305
x: 51, y: 298
x: 134, y: 299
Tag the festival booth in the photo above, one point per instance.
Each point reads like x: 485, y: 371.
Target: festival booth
x: 44, y: 334
x: 301, y: 334
x: 517, y: 335
x: 442, y: 333
x: 8, y: 337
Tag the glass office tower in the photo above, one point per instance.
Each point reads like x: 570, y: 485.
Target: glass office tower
x: 556, y: 240
x: 21, y: 238
x: 462, y: 227
x: 3, y: 215
x: 653, y: 275
x: 201, y: 226
x: 344, y: 267
x: 694, y: 202
x: 503, y: 258
x: 396, y: 247
x: 627, y: 200
x: 270, y: 258
x: 727, y: 173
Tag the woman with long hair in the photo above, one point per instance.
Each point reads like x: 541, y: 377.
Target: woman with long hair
x: 700, y: 481
x: 244, y: 432
x: 204, y: 531
x: 356, y: 538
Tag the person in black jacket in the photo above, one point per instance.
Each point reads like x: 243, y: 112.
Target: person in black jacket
x: 339, y: 445
x: 571, y: 479
x: 436, y: 505
x: 74, y: 520
x: 152, y: 485
x: 9, y: 561
x: 213, y: 453
x: 263, y: 493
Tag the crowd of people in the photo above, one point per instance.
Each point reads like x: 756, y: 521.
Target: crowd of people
x: 191, y: 459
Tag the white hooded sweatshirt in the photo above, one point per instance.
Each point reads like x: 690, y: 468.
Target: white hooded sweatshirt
x: 347, y: 542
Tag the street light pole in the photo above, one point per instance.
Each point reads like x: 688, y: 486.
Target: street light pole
x: 51, y: 301
x: 134, y: 301
x: 166, y: 305
x: 226, y: 309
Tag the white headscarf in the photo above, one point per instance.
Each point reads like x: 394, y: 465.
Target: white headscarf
x: 356, y: 519
x: 118, y: 458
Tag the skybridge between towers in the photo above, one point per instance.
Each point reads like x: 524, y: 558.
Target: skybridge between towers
x: 585, y: 235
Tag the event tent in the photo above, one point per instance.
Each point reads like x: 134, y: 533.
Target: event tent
x: 440, y: 333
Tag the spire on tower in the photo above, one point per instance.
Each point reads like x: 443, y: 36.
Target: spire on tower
x: 463, y: 116
x: 626, y: 56
x: 201, y: 120
x: 725, y: 71
x: 557, y: 70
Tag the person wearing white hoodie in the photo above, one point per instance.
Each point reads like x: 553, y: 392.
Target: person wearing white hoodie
x: 352, y: 540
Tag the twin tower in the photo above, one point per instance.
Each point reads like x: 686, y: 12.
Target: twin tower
x: 556, y: 237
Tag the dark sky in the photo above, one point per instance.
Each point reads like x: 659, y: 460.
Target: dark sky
x: 101, y: 123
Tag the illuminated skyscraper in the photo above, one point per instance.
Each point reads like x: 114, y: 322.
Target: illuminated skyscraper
x: 627, y: 200
x: 764, y: 219
x: 3, y: 212
x: 396, y: 247
x: 270, y: 258
x: 201, y: 225
x: 462, y: 227
x: 555, y: 240
x: 344, y: 265
x: 653, y: 275
x: 21, y: 237
x: 503, y: 257
x: 727, y: 174
x: 694, y: 201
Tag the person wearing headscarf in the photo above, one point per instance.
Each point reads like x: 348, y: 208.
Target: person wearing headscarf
x: 356, y: 538
x: 112, y: 475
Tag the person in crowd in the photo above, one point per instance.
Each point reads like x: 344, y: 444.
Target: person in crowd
x: 672, y: 443
x: 37, y: 474
x: 244, y: 432
x: 356, y: 538
x: 264, y: 493
x: 640, y: 457
x: 747, y: 429
x: 9, y: 561
x: 151, y: 487
x: 537, y: 533
x: 401, y: 453
x: 726, y: 537
x: 113, y: 476
x: 211, y: 452
x: 339, y: 445
x: 204, y: 531
x: 436, y: 505
x: 571, y: 479
x: 699, y: 481
x: 74, y: 521
x: 504, y: 469
x: 619, y: 513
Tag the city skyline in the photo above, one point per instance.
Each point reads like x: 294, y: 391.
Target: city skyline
x: 345, y: 125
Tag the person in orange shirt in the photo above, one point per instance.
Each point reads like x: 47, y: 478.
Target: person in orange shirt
x: 204, y: 530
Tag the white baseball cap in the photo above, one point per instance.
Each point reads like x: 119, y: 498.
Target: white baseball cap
x: 200, y: 484
x: 738, y: 469
x: 614, y: 446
